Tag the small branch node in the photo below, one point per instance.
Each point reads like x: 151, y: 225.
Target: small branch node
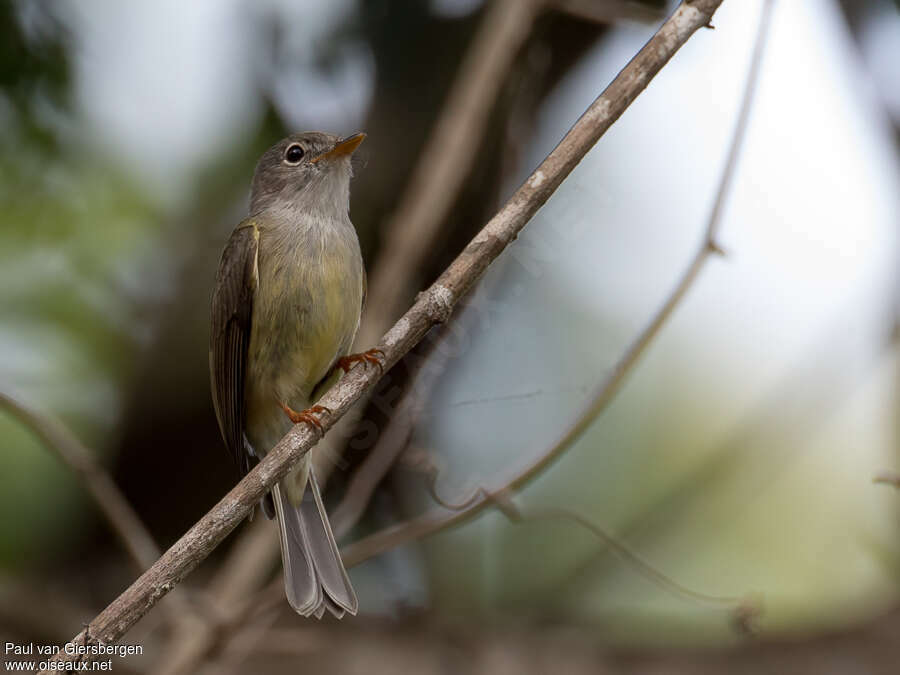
x: 745, y: 617
x: 431, y: 482
x: 716, y: 248
x: 440, y: 303
x: 887, y: 477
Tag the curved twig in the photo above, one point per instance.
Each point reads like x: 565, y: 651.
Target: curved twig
x: 122, y: 518
x: 430, y: 523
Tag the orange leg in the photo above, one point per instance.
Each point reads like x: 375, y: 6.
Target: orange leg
x: 308, y: 415
x: 345, y: 363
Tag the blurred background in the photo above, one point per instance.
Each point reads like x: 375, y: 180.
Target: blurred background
x: 738, y: 458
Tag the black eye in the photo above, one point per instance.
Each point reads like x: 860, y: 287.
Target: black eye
x: 293, y: 154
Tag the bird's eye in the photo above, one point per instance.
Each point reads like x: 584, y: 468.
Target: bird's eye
x: 293, y: 154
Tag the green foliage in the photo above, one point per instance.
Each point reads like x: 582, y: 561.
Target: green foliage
x: 42, y: 505
x: 74, y: 246
x: 79, y: 244
x: 34, y: 69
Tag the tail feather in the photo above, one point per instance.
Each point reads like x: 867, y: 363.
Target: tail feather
x: 314, y: 575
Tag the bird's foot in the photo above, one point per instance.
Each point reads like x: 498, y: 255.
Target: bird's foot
x: 308, y: 415
x: 373, y: 356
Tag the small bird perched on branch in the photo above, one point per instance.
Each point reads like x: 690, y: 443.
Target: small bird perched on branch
x: 286, y: 306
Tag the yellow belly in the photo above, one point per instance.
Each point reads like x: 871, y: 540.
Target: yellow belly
x: 305, y: 315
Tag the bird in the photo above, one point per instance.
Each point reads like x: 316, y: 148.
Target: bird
x: 285, y: 309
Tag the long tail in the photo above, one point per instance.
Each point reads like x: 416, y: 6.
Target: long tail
x: 314, y: 575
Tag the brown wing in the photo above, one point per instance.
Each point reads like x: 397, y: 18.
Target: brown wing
x: 229, y: 337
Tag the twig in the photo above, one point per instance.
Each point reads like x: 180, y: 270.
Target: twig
x: 293, y: 643
x: 243, y: 643
x: 381, y: 458
x: 123, y: 520
x: 395, y: 437
x: 887, y: 477
x: 444, y: 162
x: 422, y: 643
x: 438, y: 177
x: 436, y: 181
x: 505, y: 504
x: 38, y: 611
x: 248, y: 564
x: 430, y: 523
x: 431, y: 307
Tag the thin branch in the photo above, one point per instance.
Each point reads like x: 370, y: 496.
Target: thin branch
x: 427, y: 644
x: 412, y: 229
x: 248, y: 565
x: 381, y: 458
x: 446, y: 158
x: 436, y: 181
x: 431, y: 307
x: 515, y: 514
x: 297, y: 644
x: 430, y: 523
x: 40, y: 611
x: 437, y: 178
x: 887, y: 477
x: 237, y: 617
x: 395, y: 437
x: 123, y: 520
x: 246, y: 641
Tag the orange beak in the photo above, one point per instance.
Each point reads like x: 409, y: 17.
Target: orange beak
x: 345, y: 146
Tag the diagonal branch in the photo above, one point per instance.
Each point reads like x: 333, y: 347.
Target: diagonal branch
x: 451, y: 151
x: 431, y: 307
x: 444, y: 162
x: 505, y: 504
x: 394, y: 438
x: 410, y: 233
x: 438, y: 177
x: 431, y: 523
x: 122, y: 518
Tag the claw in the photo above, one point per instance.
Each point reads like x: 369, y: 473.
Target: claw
x: 308, y: 415
x: 345, y: 363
